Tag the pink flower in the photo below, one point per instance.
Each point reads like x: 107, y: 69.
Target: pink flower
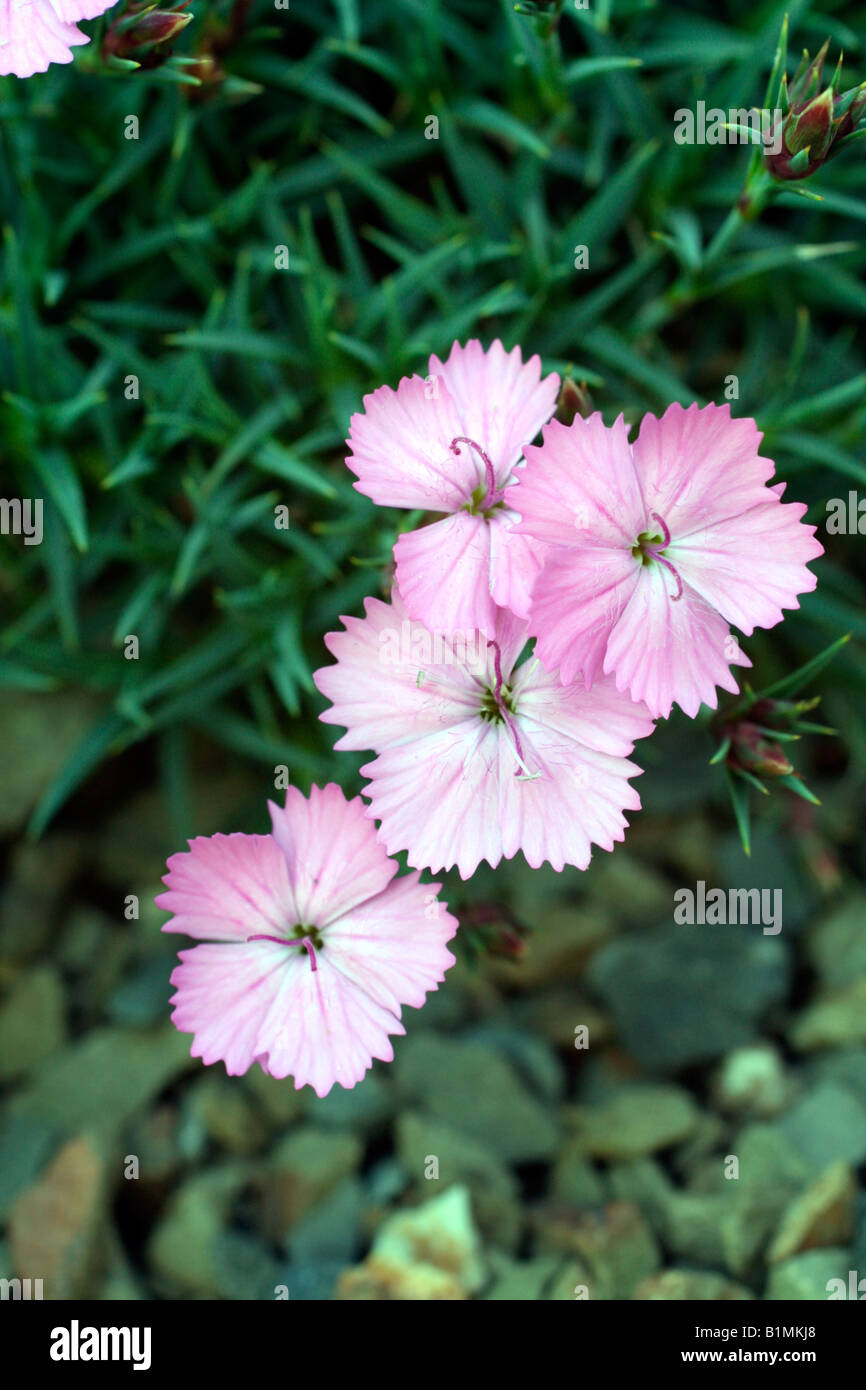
x: 480, y: 756
x: 451, y: 444
x: 34, y: 33
x: 656, y: 547
x: 314, y: 946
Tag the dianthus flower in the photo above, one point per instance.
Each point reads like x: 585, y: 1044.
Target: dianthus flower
x: 480, y: 755
x: 312, y: 945
x: 453, y: 443
x: 655, y: 548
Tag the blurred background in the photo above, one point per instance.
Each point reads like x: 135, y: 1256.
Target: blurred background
x: 207, y: 260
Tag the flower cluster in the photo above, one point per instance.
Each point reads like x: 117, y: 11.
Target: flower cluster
x: 560, y: 598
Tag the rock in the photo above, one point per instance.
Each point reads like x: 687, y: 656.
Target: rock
x: 773, y: 866
x: 365, y: 1108
x: 833, y: 1020
x: 302, y: 1170
x: 572, y: 1282
x: 154, y: 1139
x: 32, y: 1022
x: 430, y: 1253
x: 34, y: 882
x: 279, y: 1100
x: 641, y: 894
x: 821, y: 1215
x: 228, y: 1114
x: 25, y: 1145
x: 574, y: 1181
x: 837, y: 946
x: 331, y: 1230
x: 613, y: 1244
x: 565, y: 938
x: 699, y: 1152
x: 710, y: 985
x: 827, y: 1124
x: 312, y: 1281
x: 141, y: 997
x: 427, y: 1146
x: 182, y: 1249
x: 753, y: 1081
x: 636, y: 1121
x: 244, y: 1268
x: 520, y: 1281
x: 57, y: 1226
x: 847, y: 1067
x: 690, y: 1285
x: 475, y: 1091
x: 100, y: 1082
x: 771, y: 1172
x: 807, y: 1276
x: 564, y: 1018
x: 48, y: 728
x: 532, y: 1058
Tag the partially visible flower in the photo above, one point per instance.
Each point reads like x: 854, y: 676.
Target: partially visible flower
x: 313, y: 945
x: 816, y: 122
x: 656, y: 547
x: 35, y: 33
x: 480, y: 761
x: 451, y: 443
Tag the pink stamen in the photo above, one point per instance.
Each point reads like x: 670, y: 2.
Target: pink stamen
x: 663, y: 524
x: 492, y: 495
x: 655, y: 552
x: 679, y: 593
x: 287, y: 941
x: 501, y: 705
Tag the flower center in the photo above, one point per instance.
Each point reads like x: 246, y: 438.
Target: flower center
x: 485, y: 498
x: 497, y: 706
x: 650, y: 546
x: 308, y: 938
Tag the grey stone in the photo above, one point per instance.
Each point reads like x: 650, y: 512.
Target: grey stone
x: 827, y: 1124
x: 637, y: 1120
x: 687, y: 994
x: 32, y: 1022
x: 477, y: 1092
x: 807, y: 1276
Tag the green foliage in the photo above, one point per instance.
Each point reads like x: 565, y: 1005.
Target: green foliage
x: 155, y: 258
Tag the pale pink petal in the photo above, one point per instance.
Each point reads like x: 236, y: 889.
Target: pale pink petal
x: 577, y: 600
x: 333, y: 861
x: 440, y: 799
x: 502, y: 401
x: 515, y: 562
x: 262, y: 1002
x: 753, y: 565
x: 579, y: 485
x: 443, y: 574
x: 41, y: 32
x: 696, y: 465
x: 665, y: 650
x: 393, y: 946
x: 401, y: 448
x: 394, y: 680
x: 229, y: 887
x: 576, y: 803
